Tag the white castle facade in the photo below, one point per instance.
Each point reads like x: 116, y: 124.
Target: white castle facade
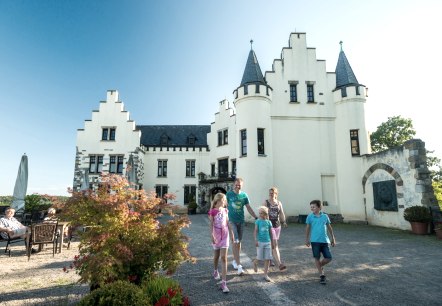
x: 298, y: 127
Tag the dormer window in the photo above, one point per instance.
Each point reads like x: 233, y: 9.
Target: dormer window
x: 191, y: 139
x: 108, y: 133
x: 164, y: 140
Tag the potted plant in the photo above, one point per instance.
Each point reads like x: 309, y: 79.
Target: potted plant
x: 419, y: 218
x: 191, y: 208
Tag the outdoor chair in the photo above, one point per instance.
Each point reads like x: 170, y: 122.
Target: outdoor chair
x: 43, y: 233
x: 10, y: 241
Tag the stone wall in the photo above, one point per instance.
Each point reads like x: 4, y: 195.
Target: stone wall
x: 406, y: 165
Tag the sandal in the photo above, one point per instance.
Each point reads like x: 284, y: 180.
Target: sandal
x: 282, y: 267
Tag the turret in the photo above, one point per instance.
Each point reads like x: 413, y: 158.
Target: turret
x: 351, y: 135
x: 253, y: 123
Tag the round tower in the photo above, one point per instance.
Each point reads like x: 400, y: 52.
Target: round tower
x: 352, y: 140
x: 253, y: 99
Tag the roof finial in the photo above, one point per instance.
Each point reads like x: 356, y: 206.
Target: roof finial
x: 251, y: 44
x: 341, y: 44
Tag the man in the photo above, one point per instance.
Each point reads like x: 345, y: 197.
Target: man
x: 236, y: 200
x: 10, y: 225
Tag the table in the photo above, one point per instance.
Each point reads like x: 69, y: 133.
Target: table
x: 62, y: 226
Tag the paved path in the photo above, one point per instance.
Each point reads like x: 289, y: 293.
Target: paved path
x: 371, y: 266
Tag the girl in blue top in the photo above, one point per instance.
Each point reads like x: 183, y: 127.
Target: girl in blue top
x: 263, y: 241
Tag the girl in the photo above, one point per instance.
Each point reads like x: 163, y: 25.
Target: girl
x: 220, y: 232
x: 263, y: 241
x: 276, y: 216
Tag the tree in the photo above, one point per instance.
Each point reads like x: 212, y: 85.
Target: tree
x: 392, y: 133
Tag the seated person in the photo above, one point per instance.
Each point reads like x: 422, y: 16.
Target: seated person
x: 10, y: 225
x: 51, y: 215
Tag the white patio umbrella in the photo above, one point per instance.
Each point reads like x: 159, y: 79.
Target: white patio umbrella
x: 21, y: 184
x: 85, y: 182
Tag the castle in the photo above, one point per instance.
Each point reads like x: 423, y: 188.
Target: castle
x: 298, y: 127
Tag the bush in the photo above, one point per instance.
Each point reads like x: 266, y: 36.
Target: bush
x: 417, y: 214
x: 126, y: 242
x: 164, y: 291
x: 118, y: 293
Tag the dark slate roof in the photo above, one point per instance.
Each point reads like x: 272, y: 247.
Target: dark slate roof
x: 252, y: 72
x: 344, y: 74
x: 177, y: 135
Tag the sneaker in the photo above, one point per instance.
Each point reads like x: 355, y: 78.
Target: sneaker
x: 240, y: 270
x: 255, y: 265
x: 224, y: 287
x: 234, y: 264
x: 268, y: 279
x: 216, y: 275
x: 322, y: 281
x: 282, y: 267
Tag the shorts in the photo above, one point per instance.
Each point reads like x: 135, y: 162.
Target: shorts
x: 276, y: 231
x: 238, y: 229
x: 264, y: 251
x: 320, y: 247
x: 19, y: 232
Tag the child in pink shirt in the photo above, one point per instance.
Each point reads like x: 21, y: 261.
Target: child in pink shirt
x: 220, y: 232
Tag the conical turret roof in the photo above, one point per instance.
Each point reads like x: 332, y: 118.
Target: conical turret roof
x: 252, y: 72
x: 344, y: 74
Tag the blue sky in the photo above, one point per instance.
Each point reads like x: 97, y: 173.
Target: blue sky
x: 173, y: 61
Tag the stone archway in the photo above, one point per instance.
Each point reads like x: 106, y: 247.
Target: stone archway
x: 385, y: 167
x: 216, y: 190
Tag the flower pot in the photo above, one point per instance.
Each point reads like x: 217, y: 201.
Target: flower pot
x: 419, y: 228
x: 438, y: 233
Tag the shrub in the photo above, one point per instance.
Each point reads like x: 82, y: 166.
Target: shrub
x: 117, y: 293
x: 417, y: 214
x: 126, y: 241
x: 164, y: 291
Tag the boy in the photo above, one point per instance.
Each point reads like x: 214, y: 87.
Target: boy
x: 318, y: 224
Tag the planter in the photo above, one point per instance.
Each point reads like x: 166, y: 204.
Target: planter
x: 419, y: 228
x: 438, y: 233
x: 191, y: 211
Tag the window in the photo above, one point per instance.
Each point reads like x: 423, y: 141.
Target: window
x: 310, y: 93
x: 223, y: 168
x: 257, y: 88
x: 108, y: 134
x: 95, y: 163
x: 223, y: 137
x: 243, y: 142
x: 233, y: 167
x: 164, y: 140
x: 212, y: 170
x: 162, y: 168
x: 116, y: 164
x: 189, y: 193
x: 261, y: 142
x: 220, y: 138
x: 293, y: 93
x: 191, y: 140
x: 190, y: 168
x: 246, y: 90
x: 226, y: 136
x: 354, y: 140
x: 161, y: 190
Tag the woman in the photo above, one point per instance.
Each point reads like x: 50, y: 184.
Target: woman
x: 276, y: 216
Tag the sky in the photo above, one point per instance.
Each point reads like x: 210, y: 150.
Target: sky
x: 173, y: 61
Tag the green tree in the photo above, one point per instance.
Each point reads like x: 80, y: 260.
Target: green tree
x: 392, y: 133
